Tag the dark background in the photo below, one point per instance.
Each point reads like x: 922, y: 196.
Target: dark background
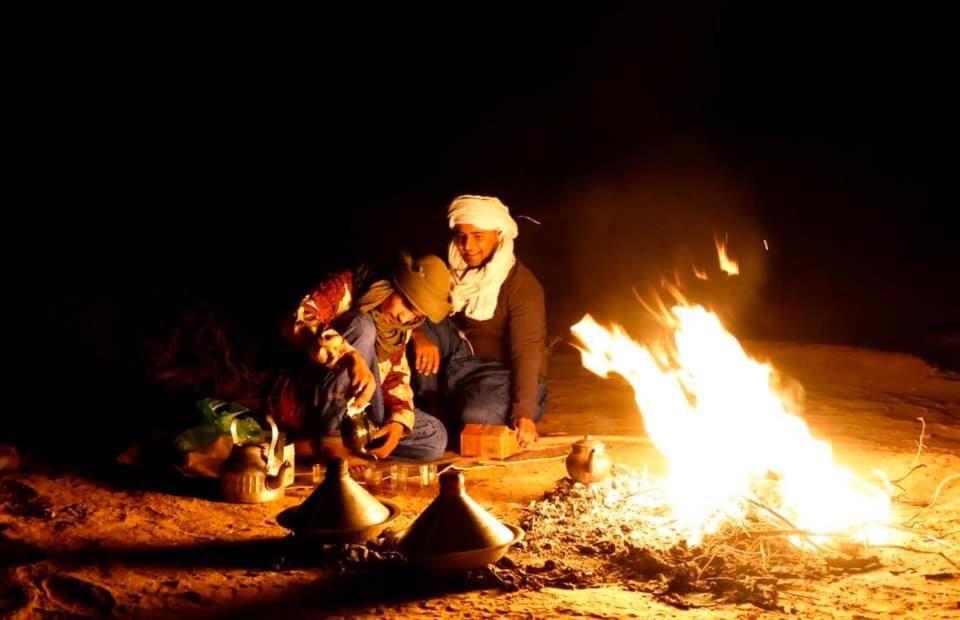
x: 228, y: 162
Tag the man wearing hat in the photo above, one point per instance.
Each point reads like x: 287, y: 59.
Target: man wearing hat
x: 492, y: 353
x: 354, y: 330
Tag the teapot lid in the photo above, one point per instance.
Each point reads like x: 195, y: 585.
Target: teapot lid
x: 589, y: 443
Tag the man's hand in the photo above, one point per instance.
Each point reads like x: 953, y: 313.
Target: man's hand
x: 393, y: 431
x: 526, y: 431
x: 362, y: 380
x: 426, y: 353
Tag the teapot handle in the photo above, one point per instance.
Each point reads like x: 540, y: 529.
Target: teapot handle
x: 274, y: 433
x: 272, y: 464
x: 233, y: 431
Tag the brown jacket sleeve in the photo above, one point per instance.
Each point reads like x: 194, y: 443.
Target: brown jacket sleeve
x: 528, y: 334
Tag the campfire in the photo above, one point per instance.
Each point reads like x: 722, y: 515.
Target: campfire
x: 750, y: 496
x: 750, y: 501
x: 732, y: 442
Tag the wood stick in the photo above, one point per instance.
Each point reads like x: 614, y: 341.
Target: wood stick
x: 923, y: 534
x: 915, y: 550
x: 936, y: 494
x: 923, y: 429
x: 785, y: 520
x: 906, y: 475
x: 552, y: 441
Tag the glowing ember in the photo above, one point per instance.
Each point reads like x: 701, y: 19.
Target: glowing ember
x: 701, y: 274
x: 727, y: 435
x: 765, y: 245
x: 727, y: 264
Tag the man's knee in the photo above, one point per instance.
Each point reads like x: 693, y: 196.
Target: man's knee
x: 485, y: 409
x: 437, y: 444
x: 428, y: 443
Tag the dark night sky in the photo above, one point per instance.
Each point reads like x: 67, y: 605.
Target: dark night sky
x: 232, y: 162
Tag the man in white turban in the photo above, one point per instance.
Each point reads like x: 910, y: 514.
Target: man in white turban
x: 499, y: 309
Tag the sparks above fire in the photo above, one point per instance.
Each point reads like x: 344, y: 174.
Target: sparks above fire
x: 729, y: 437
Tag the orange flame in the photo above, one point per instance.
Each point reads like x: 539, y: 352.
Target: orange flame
x: 727, y: 435
x: 701, y: 274
x: 727, y: 264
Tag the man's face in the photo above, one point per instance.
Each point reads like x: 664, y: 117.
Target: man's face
x: 476, y: 246
x: 398, y: 310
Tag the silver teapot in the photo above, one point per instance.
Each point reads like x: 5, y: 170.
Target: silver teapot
x: 357, y: 429
x: 253, y: 474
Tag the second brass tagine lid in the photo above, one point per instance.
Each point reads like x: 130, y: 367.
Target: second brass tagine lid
x: 454, y: 523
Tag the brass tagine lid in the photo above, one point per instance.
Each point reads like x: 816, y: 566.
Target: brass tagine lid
x: 453, y: 523
x: 339, y: 503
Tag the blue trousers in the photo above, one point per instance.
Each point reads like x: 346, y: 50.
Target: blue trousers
x: 469, y: 390
x: 428, y: 439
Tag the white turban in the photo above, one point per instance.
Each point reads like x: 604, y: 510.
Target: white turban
x: 475, y: 291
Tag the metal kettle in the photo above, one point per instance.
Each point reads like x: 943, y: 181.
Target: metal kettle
x: 588, y: 461
x: 252, y: 474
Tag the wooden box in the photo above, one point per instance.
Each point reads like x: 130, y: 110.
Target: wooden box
x: 489, y: 441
